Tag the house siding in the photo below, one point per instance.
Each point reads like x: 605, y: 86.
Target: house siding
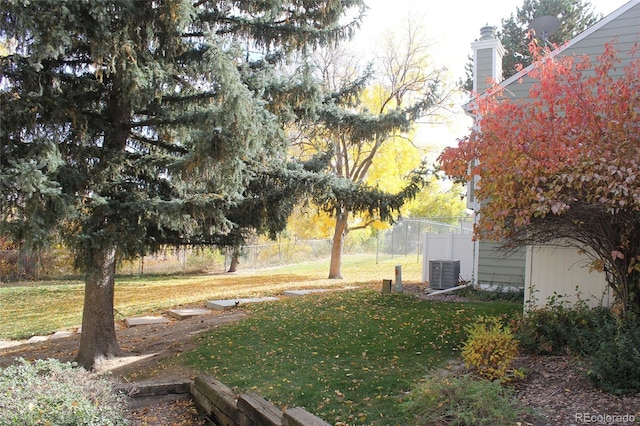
x: 484, y: 65
x: 493, y: 268
x: 562, y: 273
x: 497, y: 269
x: 625, y: 29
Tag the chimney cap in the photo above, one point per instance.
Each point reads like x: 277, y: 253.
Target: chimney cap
x: 487, y: 32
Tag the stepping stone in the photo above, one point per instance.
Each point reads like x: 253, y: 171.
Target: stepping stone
x: 4, y: 344
x: 187, y: 313
x: 145, y: 320
x: 36, y: 339
x: 221, y: 305
x: 305, y: 292
x: 61, y: 334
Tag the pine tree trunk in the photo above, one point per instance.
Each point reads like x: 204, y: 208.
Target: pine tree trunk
x: 340, y: 232
x: 98, y: 338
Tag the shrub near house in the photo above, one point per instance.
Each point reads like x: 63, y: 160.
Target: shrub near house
x: 609, y: 345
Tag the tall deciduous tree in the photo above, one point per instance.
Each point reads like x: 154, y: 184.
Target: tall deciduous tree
x: 575, y: 16
x: 395, y: 160
x: 447, y: 203
x: 127, y: 125
x: 564, y: 165
x: 406, y: 87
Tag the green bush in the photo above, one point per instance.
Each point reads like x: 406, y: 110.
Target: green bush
x: 558, y: 329
x: 49, y: 392
x: 609, y: 345
x: 462, y: 401
x: 614, y: 365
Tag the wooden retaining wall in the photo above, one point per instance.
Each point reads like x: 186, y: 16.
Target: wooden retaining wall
x: 222, y: 407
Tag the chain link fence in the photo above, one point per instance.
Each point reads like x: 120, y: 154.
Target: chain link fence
x: 188, y: 260
x: 405, y: 237
x: 401, y: 240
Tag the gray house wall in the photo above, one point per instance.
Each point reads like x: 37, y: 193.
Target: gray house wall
x: 497, y: 269
x: 494, y: 268
x: 485, y: 60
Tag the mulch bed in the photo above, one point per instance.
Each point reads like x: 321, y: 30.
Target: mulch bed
x: 556, y: 388
x: 166, y: 411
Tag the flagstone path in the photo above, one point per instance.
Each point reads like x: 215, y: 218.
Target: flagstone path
x: 175, y: 314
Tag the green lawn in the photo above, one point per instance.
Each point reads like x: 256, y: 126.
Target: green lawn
x: 43, y: 307
x: 346, y: 356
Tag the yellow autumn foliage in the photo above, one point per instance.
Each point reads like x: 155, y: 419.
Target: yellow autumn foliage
x: 490, y: 348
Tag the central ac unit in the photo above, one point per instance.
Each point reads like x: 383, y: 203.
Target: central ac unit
x: 443, y: 274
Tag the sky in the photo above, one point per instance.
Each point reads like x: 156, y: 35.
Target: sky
x: 451, y: 26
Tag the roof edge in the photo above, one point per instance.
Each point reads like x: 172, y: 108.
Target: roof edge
x: 584, y: 34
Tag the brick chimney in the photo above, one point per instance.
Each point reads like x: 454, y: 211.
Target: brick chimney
x: 487, y: 59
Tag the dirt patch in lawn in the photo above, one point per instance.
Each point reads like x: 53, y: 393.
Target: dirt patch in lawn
x: 144, y: 345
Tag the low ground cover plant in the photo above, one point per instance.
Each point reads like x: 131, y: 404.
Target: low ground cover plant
x: 613, y: 365
x: 347, y: 357
x: 560, y: 328
x: 494, y: 294
x: 462, y: 400
x: 48, y: 392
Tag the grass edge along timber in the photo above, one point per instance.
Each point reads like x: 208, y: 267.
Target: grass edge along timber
x: 347, y: 357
